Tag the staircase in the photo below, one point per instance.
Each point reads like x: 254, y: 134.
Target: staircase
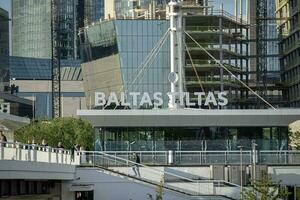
x: 155, y: 176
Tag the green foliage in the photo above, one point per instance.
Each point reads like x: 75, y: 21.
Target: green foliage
x: 265, y: 189
x: 159, y: 191
x: 294, y: 140
x: 69, y: 131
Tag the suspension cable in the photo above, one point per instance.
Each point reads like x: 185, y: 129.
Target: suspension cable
x: 195, y: 70
x: 151, y: 61
x: 219, y: 63
x: 152, y: 55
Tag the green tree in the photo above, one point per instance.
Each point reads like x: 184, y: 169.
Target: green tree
x: 294, y: 140
x: 159, y: 191
x: 68, y: 130
x: 265, y: 189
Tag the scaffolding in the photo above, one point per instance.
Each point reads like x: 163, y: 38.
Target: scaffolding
x: 225, y: 37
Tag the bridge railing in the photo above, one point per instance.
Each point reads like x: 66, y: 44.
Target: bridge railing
x: 36, y: 153
x: 212, y: 157
x: 157, y: 175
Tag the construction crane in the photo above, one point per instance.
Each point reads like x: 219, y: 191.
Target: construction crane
x: 56, y: 57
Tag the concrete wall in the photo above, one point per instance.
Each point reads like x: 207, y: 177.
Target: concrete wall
x: 286, y: 175
x: 110, y: 187
x: 45, y: 86
x: 11, y: 169
x: 70, y: 104
x: 199, y: 172
x: 102, y: 75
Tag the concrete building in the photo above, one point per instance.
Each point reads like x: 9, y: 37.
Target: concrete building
x: 4, y: 49
x: 116, y: 49
x: 33, y: 77
x: 31, y: 30
x: 289, y: 11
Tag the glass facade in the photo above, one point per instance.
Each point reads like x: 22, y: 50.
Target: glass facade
x: 131, y: 41
x: 136, y: 39
x: 22, y: 68
x: 4, y: 49
x: 190, y: 139
x: 93, y: 11
x: 32, y: 28
x: 273, y: 47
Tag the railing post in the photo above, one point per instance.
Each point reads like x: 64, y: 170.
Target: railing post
x: 285, y: 157
x: 1, y: 151
x: 200, y: 158
x: 35, y: 157
x: 94, y: 159
x: 49, y: 154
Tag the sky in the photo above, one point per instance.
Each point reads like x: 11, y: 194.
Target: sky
x: 5, y: 4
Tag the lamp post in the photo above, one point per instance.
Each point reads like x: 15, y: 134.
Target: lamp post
x: 241, y: 169
x: 254, y: 160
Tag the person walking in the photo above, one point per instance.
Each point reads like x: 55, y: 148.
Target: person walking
x: 3, y: 139
x: 136, y: 166
x: 75, y: 148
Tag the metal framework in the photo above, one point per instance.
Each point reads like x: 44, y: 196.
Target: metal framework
x: 56, y: 48
x: 262, y: 44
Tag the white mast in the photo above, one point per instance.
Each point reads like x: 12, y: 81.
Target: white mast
x: 176, y: 54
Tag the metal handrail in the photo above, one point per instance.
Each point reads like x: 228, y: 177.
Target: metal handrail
x: 206, y: 157
x: 94, y: 153
x: 118, y: 159
x: 19, y: 145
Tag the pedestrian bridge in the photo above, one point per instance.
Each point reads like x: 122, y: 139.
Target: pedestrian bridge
x: 23, y: 161
x: 188, y: 175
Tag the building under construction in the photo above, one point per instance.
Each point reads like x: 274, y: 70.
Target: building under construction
x: 114, y: 49
x: 137, y: 55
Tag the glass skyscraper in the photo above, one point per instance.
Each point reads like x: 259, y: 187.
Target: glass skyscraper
x: 4, y: 49
x: 32, y: 28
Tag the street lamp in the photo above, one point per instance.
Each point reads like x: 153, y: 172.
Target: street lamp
x: 241, y: 169
x: 254, y: 160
